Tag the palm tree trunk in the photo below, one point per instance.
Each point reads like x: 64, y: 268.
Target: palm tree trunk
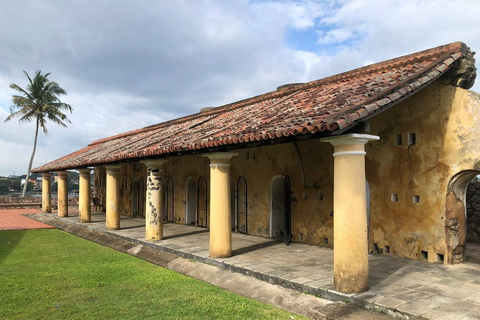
x: 31, y: 158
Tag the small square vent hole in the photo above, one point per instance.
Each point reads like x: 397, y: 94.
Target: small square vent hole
x: 424, y: 255
x: 394, y: 197
x: 416, y: 198
x: 398, y: 139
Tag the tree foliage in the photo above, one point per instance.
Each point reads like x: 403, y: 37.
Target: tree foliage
x: 39, y: 102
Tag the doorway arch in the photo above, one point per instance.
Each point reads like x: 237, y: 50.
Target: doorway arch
x: 141, y: 197
x: 456, y: 216
x: 202, y: 202
x: 190, y: 207
x: 277, y: 208
x: 135, y: 204
x: 242, y: 218
x: 232, y: 204
x: 170, y: 200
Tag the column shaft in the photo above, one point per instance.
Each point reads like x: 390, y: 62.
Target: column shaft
x: 153, y: 215
x: 220, y: 217
x: 350, y: 251
x: 113, y: 197
x: 46, y: 192
x: 84, y: 196
x: 62, y: 191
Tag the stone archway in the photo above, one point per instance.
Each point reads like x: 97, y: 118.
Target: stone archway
x: 456, y: 217
x: 277, y: 208
x: 190, y: 201
x: 135, y: 204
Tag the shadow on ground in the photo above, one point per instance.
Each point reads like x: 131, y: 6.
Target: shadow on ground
x: 9, y: 239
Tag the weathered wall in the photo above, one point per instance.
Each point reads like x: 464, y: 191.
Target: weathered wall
x: 446, y: 122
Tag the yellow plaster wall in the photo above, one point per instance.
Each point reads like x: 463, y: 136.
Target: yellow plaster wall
x: 446, y: 121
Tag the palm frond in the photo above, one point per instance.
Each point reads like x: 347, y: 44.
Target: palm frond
x: 39, y: 101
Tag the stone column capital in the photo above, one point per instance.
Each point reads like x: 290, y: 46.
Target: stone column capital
x: 62, y: 173
x: 351, y: 138
x: 154, y: 163
x: 46, y: 175
x: 83, y: 171
x: 220, y: 158
x: 113, y: 168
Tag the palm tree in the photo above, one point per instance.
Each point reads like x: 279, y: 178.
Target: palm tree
x: 38, y: 102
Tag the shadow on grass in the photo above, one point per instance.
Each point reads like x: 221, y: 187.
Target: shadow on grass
x: 9, y: 239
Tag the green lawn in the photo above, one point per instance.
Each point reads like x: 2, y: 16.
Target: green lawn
x: 52, y: 274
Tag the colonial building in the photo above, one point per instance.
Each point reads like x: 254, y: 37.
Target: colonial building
x: 371, y: 160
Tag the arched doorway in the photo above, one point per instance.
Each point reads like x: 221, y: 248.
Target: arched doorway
x: 287, y: 192
x: 190, y: 201
x: 170, y: 200
x: 163, y: 209
x: 232, y: 204
x: 242, y: 222
x: 367, y: 191
x: 135, y: 208
x: 456, y: 220
x: 202, y: 202
x: 277, y: 207
x: 141, y: 197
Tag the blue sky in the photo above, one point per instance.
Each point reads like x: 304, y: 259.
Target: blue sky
x: 132, y: 63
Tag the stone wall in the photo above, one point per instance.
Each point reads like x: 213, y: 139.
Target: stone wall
x: 26, y: 202
x: 473, y: 211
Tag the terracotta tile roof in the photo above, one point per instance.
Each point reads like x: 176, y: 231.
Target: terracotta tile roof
x: 322, y: 107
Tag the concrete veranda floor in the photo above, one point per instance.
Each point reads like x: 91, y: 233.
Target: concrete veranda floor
x: 399, y: 286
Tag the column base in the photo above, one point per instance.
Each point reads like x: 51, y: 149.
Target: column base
x: 351, y: 284
x: 216, y: 255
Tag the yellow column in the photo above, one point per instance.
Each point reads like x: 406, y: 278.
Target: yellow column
x: 350, y: 250
x: 62, y: 192
x: 46, y: 192
x: 113, y: 197
x: 153, y: 216
x: 84, y: 196
x: 220, y: 218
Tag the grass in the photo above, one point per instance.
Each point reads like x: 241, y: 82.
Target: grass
x: 52, y: 274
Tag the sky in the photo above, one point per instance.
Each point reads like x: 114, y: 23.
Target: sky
x: 132, y: 63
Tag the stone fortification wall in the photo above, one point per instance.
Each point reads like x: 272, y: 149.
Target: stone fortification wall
x: 473, y: 211
x: 30, y: 202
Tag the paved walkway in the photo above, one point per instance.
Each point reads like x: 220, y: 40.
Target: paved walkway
x: 401, y: 287
x: 13, y: 219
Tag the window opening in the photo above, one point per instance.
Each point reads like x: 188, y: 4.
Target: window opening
x: 398, y: 139
x: 412, y: 139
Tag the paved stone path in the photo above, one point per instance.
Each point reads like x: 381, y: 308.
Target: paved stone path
x: 400, y: 287
x: 13, y: 219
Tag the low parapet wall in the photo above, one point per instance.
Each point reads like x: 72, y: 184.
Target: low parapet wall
x: 30, y: 202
